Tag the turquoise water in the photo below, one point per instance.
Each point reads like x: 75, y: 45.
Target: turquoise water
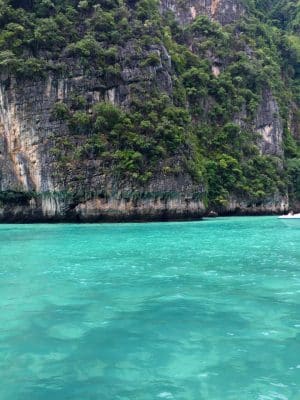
x: 200, y: 310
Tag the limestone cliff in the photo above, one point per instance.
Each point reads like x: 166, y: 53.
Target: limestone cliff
x: 224, y: 11
x: 43, y: 174
x: 28, y: 133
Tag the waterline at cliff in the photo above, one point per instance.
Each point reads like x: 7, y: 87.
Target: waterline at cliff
x: 155, y: 206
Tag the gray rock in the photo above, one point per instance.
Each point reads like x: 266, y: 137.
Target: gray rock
x: 223, y: 11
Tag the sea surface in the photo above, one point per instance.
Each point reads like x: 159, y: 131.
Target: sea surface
x: 206, y: 310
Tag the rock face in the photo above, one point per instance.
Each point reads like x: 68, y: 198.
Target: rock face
x: 54, y: 208
x: 28, y: 130
x: 269, y: 125
x: 28, y: 165
x: 274, y: 205
x: 223, y: 11
x: 25, y: 130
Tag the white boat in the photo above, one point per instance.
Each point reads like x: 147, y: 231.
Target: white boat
x: 291, y: 219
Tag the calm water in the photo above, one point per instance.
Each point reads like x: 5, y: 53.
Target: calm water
x: 202, y: 310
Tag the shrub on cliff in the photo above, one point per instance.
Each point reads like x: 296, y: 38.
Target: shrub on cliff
x: 60, y: 111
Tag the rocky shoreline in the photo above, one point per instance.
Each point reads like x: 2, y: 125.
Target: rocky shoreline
x: 98, y: 211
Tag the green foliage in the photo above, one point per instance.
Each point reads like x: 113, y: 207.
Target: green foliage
x: 60, y: 111
x: 80, y: 123
x: 86, y: 48
x: 152, y: 60
x: 293, y: 168
x: 107, y: 116
x: 204, y: 26
x: 15, y: 197
x: 8, y: 60
x: 48, y: 35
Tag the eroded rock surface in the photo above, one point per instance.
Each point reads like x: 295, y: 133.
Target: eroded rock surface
x: 223, y: 11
